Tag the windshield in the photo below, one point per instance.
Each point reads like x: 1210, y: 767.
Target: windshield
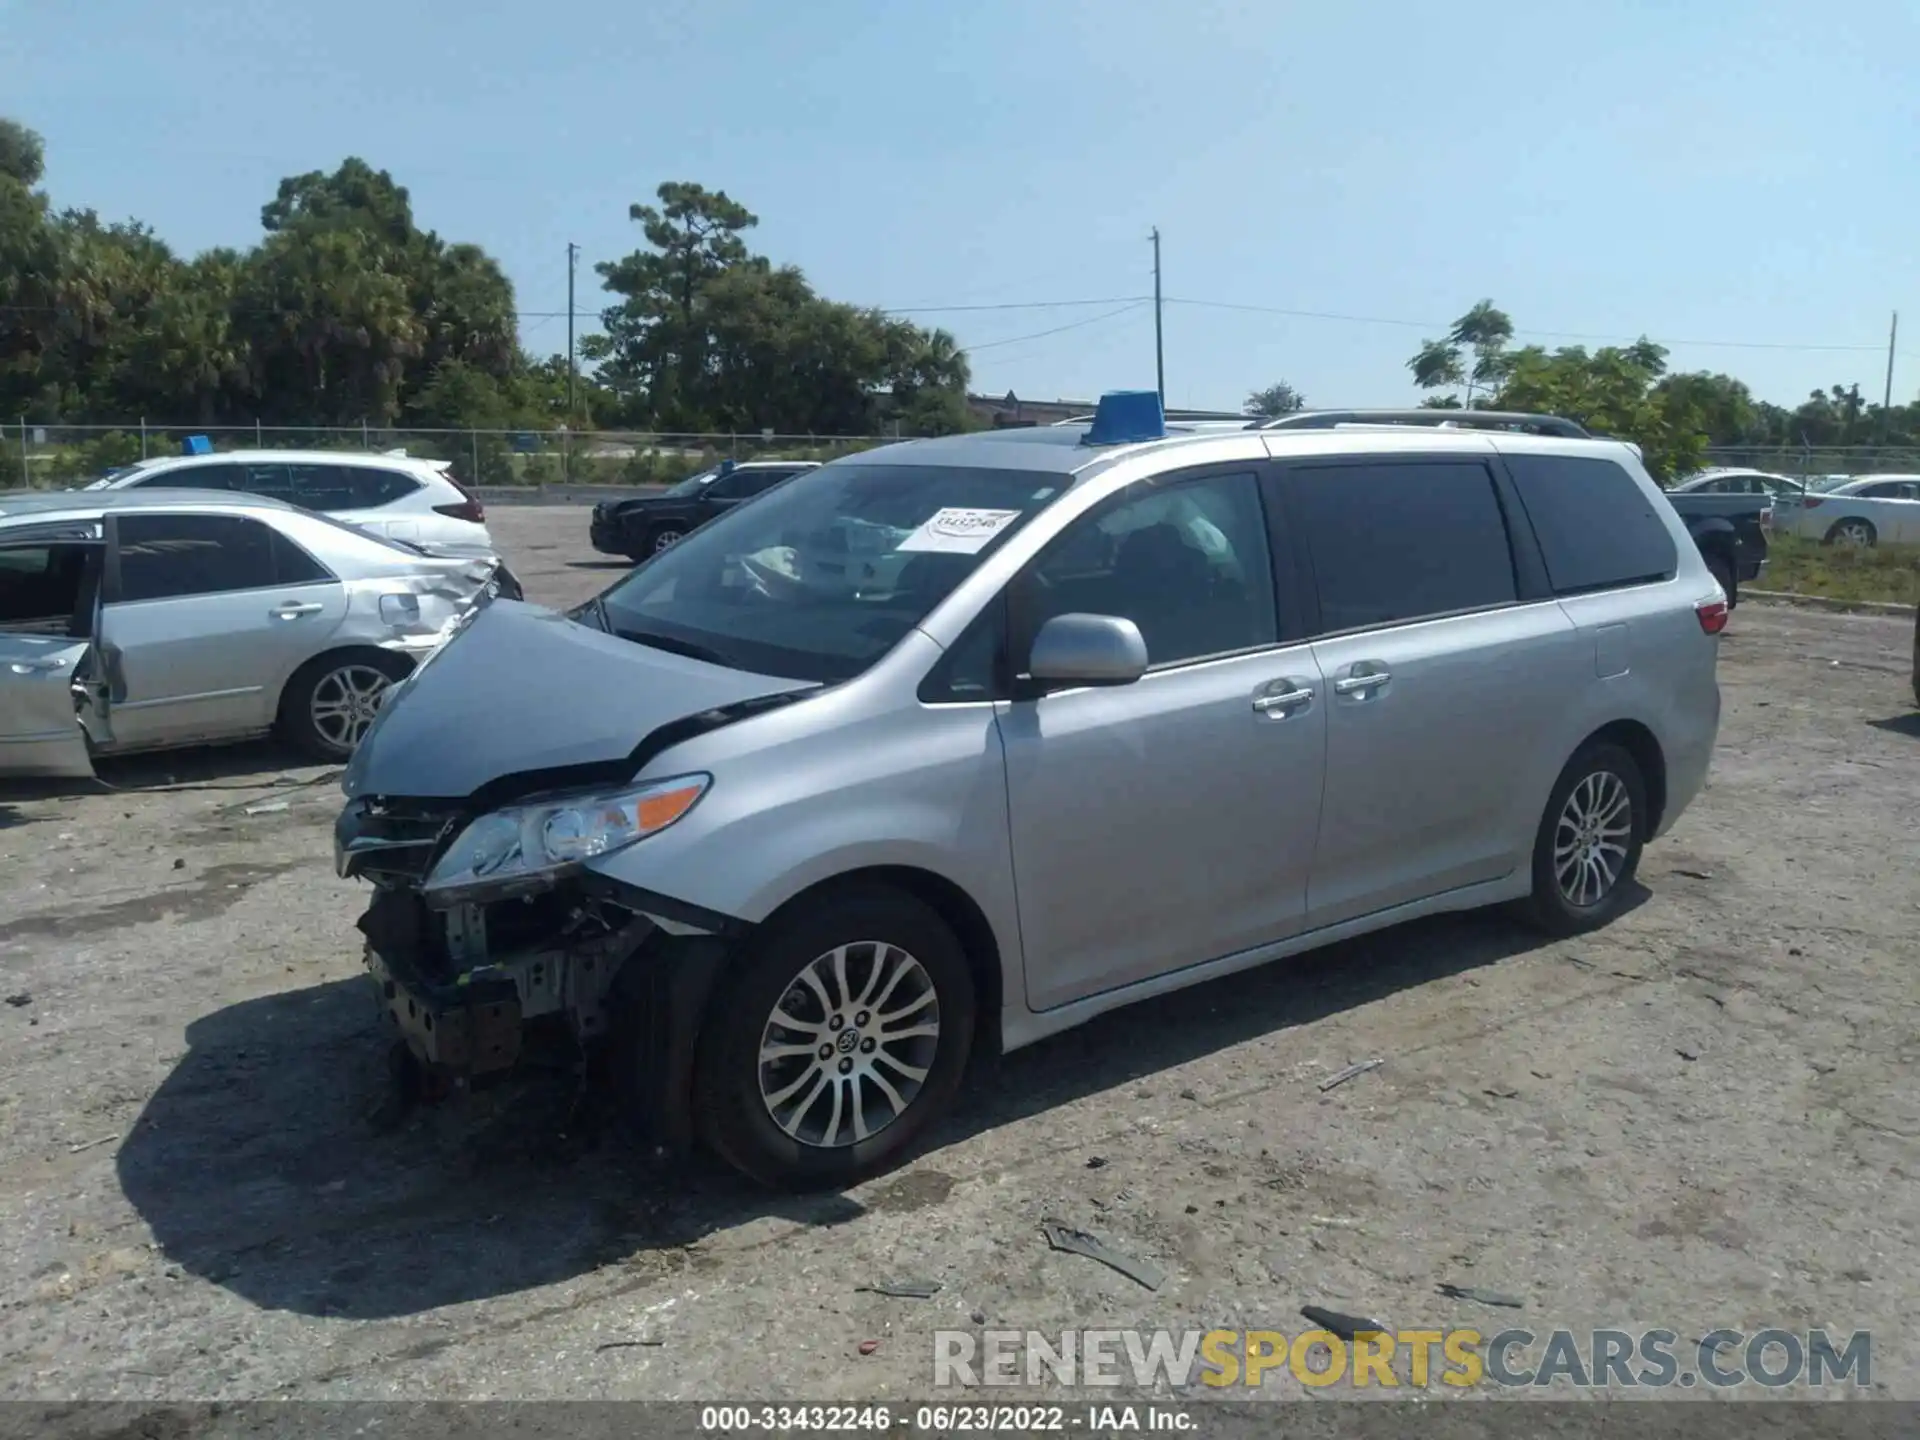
x: 821, y: 576
x: 692, y: 484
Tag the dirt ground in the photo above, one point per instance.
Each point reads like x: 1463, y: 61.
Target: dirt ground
x: 1704, y: 1116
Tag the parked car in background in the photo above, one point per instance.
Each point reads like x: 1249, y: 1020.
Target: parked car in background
x: 393, y: 495
x: 1738, y: 482
x: 1120, y: 710
x: 1865, y: 510
x: 150, y: 618
x: 1730, y: 530
x: 639, y: 527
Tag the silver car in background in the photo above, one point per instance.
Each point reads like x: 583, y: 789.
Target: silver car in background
x: 141, y: 619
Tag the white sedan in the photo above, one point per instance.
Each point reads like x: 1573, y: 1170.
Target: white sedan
x: 1866, y: 510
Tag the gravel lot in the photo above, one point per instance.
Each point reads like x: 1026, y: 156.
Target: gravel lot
x: 1704, y: 1116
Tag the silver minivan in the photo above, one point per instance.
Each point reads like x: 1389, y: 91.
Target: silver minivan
x: 949, y: 746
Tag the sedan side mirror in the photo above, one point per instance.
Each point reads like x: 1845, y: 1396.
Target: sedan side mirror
x: 1088, y: 650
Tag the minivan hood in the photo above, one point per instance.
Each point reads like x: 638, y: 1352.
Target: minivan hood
x: 523, y: 689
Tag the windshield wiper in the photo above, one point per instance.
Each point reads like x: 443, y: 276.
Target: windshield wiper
x: 677, y: 647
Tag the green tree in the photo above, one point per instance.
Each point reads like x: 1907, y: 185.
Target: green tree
x: 23, y: 154
x: 1279, y: 398
x: 1473, y: 354
x: 1612, y: 391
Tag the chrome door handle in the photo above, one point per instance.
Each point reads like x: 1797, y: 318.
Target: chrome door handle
x: 1285, y: 700
x: 1278, y: 699
x: 37, y: 667
x: 294, y: 609
x: 1361, y: 684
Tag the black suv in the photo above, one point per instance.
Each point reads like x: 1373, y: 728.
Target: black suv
x: 637, y: 528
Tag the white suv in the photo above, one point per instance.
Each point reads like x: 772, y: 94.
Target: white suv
x: 398, y: 496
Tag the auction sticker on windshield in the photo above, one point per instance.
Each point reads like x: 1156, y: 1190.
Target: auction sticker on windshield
x: 959, y: 531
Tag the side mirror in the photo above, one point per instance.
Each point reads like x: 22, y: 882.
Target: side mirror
x: 1088, y: 650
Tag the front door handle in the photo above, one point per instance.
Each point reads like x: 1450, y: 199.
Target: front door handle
x: 50, y: 666
x: 1363, y: 679
x: 1282, y: 698
x: 294, y: 609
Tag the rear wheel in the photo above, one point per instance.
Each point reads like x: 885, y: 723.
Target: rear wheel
x: 1588, y: 845
x: 842, y: 1036
x: 1854, y: 534
x: 330, y: 702
x: 1721, y: 567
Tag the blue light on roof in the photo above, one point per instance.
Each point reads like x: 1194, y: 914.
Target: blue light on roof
x: 196, y: 445
x: 1126, y: 416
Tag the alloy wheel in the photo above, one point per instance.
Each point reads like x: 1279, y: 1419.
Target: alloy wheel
x: 849, y: 1044
x: 1853, y: 534
x: 1591, y: 838
x: 345, y: 702
x: 666, y: 540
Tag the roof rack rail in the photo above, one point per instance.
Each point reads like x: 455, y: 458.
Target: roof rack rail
x: 1453, y: 419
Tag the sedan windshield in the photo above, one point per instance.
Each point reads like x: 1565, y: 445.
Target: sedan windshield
x: 823, y: 575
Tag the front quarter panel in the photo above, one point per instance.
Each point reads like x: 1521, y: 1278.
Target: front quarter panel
x: 857, y: 777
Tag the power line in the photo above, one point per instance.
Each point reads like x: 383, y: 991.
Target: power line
x: 1058, y: 329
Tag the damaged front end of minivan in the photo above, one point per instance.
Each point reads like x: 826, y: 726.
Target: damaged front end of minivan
x: 491, y: 937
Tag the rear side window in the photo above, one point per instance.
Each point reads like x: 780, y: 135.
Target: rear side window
x: 166, y: 557
x: 221, y: 475
x: 328, y: 488
x: 1597, y: 529
x: 1393, y: 540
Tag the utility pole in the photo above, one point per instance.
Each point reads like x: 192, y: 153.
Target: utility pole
x: 1159, y: 352
x: 1886, y: 403
x: 573, y: 254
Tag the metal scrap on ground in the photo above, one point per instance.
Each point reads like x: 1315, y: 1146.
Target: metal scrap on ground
x: 903, y: 1289
x: 1340, y: 1077
x: 1078, y: 1242
x: 1344, y: 1326
x: 1485, y: 1297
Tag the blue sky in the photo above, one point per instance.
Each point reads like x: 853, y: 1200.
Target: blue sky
x: 1700, y: 172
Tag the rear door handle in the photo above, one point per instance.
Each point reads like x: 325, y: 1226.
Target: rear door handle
x: 294, y: 609
x: 1281, y: 698
x: 1363, y: 679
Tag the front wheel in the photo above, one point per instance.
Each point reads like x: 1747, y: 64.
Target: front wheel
x: 665, y: 539
x: 843, y: 1035
x: 1588, y: 845
x: 330, y: 702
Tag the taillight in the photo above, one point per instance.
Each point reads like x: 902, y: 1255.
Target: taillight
x: 470, y: 510
x: 1813, y: 502
x: 1712, y: 615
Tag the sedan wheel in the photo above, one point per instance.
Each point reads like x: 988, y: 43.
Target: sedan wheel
x: 842, y: 1032
x: 1852, y: 534
x: 331, y: 702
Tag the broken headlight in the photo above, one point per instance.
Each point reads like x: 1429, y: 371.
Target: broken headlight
x: 526, y: 846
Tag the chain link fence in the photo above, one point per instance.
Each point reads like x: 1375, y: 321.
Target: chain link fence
x: 61, y: 456
x: 1808, y: 462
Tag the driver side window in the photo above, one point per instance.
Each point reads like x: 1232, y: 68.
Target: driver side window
x: 1186, y: 562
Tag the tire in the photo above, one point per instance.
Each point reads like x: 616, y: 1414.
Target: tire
x: 1722, y: 570
x: 665, y: 538
x: 327, y: 681
x: 1598, y: 772
x: 1856, y: 533
x: 791, y: 968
